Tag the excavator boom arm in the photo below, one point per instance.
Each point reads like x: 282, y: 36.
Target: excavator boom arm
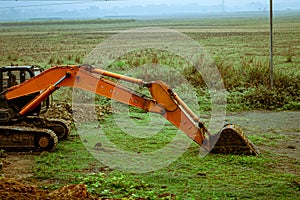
x: 163, y: 101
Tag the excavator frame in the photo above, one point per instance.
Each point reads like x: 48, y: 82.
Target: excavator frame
x: 163, y: 101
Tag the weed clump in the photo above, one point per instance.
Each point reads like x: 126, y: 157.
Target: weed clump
x: 248, y: 85
x: 59, y: 61
x: 77, y: 59
x: 51, y: 60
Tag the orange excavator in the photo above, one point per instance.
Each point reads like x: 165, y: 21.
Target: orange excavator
x: 25, y: 88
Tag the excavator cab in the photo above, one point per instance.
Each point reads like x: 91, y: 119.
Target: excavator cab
x: 15, y: 75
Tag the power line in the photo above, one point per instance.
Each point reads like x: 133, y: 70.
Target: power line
x: 37, y: 5
x: 54, y: 4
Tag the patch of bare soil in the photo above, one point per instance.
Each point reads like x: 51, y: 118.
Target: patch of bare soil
x: 282, y: 126
x: 17, y: 166
x: 13, y: 189
x: 14, y: 183
x: 282, y: 133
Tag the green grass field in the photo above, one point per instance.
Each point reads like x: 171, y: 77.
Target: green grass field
x: 239, y: 45
x: 188, y: 177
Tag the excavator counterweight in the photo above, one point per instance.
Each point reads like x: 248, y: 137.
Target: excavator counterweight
x: 22, y: 103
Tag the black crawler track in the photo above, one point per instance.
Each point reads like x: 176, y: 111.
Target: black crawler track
x: 60, y: 127
x: 33, y: 134
x: 22, y: 138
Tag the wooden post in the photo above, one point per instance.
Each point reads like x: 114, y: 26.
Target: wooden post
x: 271, y: 45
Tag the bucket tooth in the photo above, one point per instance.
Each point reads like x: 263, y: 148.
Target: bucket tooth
x: 232, y: 140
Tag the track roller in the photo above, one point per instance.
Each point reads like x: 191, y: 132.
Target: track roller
x: 60, y: 127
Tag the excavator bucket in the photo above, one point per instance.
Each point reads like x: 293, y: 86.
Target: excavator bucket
x: 232, y: 140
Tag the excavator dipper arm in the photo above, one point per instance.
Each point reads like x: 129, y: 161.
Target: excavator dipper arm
x: 163, y: 101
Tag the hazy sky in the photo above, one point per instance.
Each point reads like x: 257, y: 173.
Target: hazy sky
x: 81, y: 4
x: 62, y: 5
x: 11, y: 10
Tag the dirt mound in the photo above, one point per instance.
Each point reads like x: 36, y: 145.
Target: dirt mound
x: 77, y: 191
x: 81, y: 113
x: 12, y: 189
x: 60, y: 111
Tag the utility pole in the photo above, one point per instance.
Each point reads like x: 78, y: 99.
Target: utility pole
x: 271, y: 45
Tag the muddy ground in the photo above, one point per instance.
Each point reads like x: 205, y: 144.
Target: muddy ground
x: 17, y: 167
x: 266, y: 123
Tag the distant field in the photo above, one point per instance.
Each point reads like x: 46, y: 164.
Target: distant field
x: 231, y: 38
x: 238, y: 43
